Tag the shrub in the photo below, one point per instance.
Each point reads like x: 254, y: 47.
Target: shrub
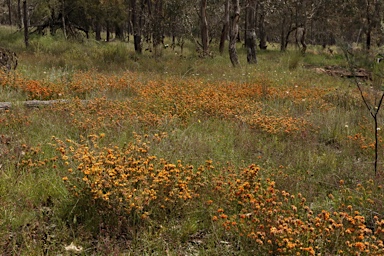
x: 128, y: 181
x: 274, y: 222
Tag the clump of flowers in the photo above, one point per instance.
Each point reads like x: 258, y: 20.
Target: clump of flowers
x: 128, y: 179
x: 274, y: 222
x: 38, y: 90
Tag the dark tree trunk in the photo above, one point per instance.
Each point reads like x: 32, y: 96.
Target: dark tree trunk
x: 368, y: 39
x: 157, y: 27
x: 283, y: 43
x: 25, y: 18
x: 63, y: 19
x: 368, y: 17
x: 98, y: 30
x: 9, y: 12
x: 204, y: 27
x: 52, y: 21
x: 136, y: 28
x: 250, y: 33
x: 262, y: 32
x: 224, y: 31
x: 234, y: 31
x: 119, y: 32
x: 19, y: 15
x: 108, y: 32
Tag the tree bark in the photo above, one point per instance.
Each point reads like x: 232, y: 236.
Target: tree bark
x: 108, y: 38
x: 234, y: 30
x: 52, y: 21
x: 19, y: 15
x: 204, y: 27
x: 98, y: 31
x: 63, y: 19
x: 25, y: 18
x: 300, y: 38
x: 283, y: 43
x: 261, y: 24
x: 224, y: 32
x: 250, y: 33
x: 119, y: 32
x: 157, y: 27
x: 368, y: 39
x: 9, y: 12
x: 136, y: 28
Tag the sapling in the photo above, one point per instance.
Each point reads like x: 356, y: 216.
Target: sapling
x: 373, y: 108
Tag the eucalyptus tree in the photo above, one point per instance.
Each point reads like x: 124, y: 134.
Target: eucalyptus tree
x: 25, y: 18
x: 234, y: 31
x: 136, y: 25
x: 370, y: 13
x: 263, y: 8
x: 9, y: 6
x: 204, y: 27
x: 225, y: 29
x: 250, y: 31
x: 178, y: 21
x: 157, y: 21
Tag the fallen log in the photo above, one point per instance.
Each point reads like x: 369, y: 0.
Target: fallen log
x: 343, y: 72
x: 40, y: 103
x: 5, y: 105
x: 33, y: 103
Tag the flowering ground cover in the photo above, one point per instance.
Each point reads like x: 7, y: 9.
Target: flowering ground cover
x: 268, y: 161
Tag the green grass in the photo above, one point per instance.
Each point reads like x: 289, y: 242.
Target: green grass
x: 38, y: 215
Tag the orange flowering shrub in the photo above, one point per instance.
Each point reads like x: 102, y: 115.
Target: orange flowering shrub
x: 153, y: 101
x: 367, y: 197
x: 85, y: 84
x: 97, y: 115
x: 36, y: 90
x: 128, y: 180
x: 241, y: 102
x: 270, y: 221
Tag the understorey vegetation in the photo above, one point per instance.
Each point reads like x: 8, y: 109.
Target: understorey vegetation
x: 138, y: 155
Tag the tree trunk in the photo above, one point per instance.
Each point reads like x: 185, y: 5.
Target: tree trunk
x: 262, y: 32
x: 52, y: 20
x: 204, y: 27
x: 19, y: 15
x: 63, y: 19
x: 368, y: 39
x: 136, y: 28
x: 108, y: 32
x: 234, y: 30
x: 283, y: 43
x: 98, y: 30
x: 368, y: 18
x: 25, y: 18
x: 119, y: 32
x: 300, y: 38
x: 9, y: 12
x: 224, y: 32
x: 250, y: 33
x: 157, y: 27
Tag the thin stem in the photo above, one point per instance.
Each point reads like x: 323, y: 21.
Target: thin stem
x: 376, y: 132
x: 373, y: 113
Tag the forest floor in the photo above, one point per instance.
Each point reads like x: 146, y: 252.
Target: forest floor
x: 187, y: 156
